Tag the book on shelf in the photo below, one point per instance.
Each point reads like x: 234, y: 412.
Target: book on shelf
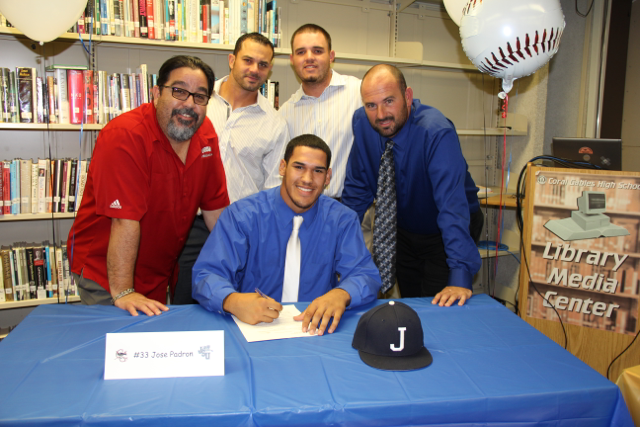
x: 64, y: 188
x: 104, y: 18
x: 80, y: 24
x: 75, y: 84
x: 26, y: 93
x: 117, y: 18
x: 135, y: 17
x: 1, y: 188
x: 87, y: 77
x: 34, y: 187
x: 5, y: 102
x: 150, y: 20
x: 7, y: 269
x: 48, y: 186
x: 2, y: 293
x: 56, y: 168
x: 30, y: 270
x: 42, y: 189
x: 13, y: 97
x: 71, y: 185
x: 97, y: 18
x: 51, y: 100
x: 62, y: 95
x: 54, y: 67
x: 25, y: 186
x: 15, y: 187
x: 39, y: 271
x: 125, y: 92
x: 6, y: 187
x: 40, y: 110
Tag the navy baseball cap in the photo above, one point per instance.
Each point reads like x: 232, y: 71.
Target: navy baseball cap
x: 390, y: 337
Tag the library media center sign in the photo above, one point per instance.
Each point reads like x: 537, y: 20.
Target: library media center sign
x: 585, y: 258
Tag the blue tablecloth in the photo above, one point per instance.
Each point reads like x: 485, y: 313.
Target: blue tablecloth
x: 489, y: 368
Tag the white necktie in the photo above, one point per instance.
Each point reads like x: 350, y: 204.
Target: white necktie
x: 292, y: 264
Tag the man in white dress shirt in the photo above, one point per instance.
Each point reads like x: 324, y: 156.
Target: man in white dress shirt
x: 251, y: 136
x: 325, y: 102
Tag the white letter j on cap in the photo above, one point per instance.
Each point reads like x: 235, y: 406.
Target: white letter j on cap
x: 393, y: 347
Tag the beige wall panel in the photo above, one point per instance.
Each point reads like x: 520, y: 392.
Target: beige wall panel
x: 439, y: 36
x: 351, y: 29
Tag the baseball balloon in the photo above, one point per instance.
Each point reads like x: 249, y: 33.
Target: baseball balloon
x: 454, y: 9
x: 509, y: 39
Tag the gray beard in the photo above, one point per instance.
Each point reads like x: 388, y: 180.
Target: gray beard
x: 184, y: 132
x: 180, y: 134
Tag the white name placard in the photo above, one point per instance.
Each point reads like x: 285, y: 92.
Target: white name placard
x: 164, y: 354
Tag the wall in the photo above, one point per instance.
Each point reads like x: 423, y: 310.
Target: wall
x: 630, y: 122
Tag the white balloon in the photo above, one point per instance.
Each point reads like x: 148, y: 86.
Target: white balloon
x: 509, y: 39
x: 42, y: 20
x: 454, y: 9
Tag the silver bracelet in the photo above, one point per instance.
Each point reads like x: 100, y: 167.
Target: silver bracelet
x: 121, y: 294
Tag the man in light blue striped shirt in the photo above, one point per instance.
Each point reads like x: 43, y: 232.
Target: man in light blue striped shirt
x: 325, y: 102
x: 251, y: 138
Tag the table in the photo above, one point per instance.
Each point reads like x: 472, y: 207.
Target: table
x: 490, y: 368
x: 629, y: 383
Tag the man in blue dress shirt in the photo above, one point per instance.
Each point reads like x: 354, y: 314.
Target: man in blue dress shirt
x: 246, y: 249
x: 438, y: 215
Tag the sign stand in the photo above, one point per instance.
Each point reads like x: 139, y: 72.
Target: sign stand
x: 590, y: 281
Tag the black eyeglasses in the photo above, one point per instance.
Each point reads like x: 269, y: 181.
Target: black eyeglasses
x: 183, y: 95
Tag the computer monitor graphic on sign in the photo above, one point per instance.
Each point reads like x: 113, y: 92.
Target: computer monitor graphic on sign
x: 588, y: 222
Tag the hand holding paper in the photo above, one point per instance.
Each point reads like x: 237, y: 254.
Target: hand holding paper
x: 317, y: 316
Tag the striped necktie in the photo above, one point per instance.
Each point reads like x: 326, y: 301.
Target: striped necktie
x: 384, y: 226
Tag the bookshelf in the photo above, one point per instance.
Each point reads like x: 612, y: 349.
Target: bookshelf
x: 47, y: 127
x: 36, y: 302
x: 61, y: 127
x: 36, y: 217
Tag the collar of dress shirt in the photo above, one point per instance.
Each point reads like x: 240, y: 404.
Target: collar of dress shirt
x: 261, y: 103
x: 337, y: 80
x: 284, y: 212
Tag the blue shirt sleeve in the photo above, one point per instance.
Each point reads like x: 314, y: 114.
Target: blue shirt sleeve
x: 358, y: 274
x: 220, y: 265
x: 361, y: 177
x: 447, y: 173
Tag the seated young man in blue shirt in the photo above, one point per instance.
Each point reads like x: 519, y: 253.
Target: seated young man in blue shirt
x: 248, y: 246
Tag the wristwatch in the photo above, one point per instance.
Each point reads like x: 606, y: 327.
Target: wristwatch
x: 121, y: 294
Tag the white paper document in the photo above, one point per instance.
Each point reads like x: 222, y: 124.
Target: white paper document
x: 282, y: 327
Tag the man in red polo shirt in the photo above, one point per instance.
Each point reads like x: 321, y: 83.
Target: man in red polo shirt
x: 151, y: 170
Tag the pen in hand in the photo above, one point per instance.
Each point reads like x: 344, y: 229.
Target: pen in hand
x: 263, y: 295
